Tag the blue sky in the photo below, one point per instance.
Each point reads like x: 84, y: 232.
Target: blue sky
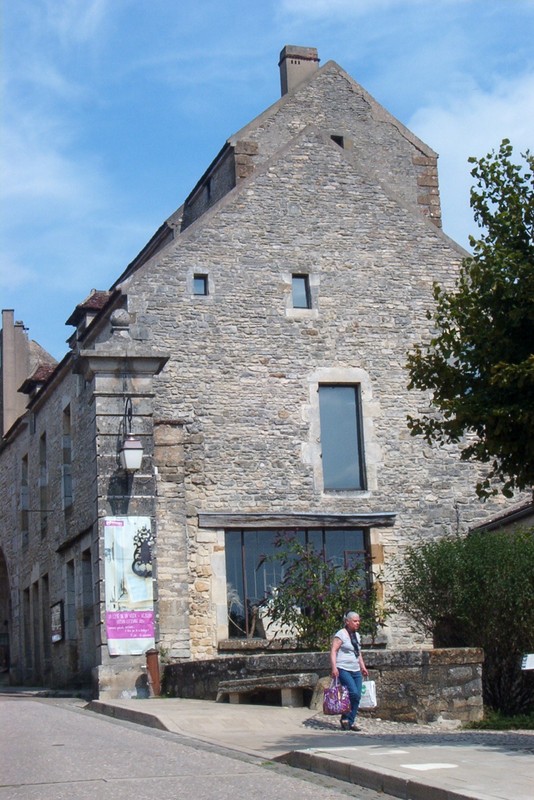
x: 112, y: 109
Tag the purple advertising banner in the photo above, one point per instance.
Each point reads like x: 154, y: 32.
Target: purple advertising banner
x: 130, y: 624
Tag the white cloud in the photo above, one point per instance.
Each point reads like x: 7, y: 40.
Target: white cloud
x: 329, y: 8
x: 473, y: 124
x: 76, y: 21
x: 47, y: 80
x: 38, y: 170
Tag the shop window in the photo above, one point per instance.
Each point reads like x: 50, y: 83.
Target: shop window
x: 253, y: 571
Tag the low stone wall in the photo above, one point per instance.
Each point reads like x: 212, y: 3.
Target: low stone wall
x: 412, y: 685
x: 425, y: 685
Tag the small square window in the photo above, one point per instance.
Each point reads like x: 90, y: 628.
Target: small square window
x: 200, y: 285
x: 301, y: 291
x: 342, y: 141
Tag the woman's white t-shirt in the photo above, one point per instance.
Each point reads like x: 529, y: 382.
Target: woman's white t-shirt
x: 346, y: 657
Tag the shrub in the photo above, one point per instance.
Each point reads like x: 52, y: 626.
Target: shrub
x: 314, y: 594
x: 477, y: 591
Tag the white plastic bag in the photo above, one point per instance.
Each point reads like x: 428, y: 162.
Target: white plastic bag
x: 368, y: 697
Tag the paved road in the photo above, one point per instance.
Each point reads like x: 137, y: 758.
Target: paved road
x: 52, y: 749
x: 431, y: 762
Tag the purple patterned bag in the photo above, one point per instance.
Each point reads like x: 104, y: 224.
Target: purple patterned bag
x: 336, y: 698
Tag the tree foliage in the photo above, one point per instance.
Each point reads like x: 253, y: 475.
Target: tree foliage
x: 314, y: 594
x: 477, y: 591
x: 479, y: 365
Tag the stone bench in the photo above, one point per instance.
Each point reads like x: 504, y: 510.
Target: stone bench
x: 291, y: 687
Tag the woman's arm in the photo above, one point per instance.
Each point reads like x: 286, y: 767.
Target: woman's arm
x: 362, y: 666
x: 336, y: 644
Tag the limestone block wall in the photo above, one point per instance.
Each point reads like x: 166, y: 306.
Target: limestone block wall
x: 415, y: 686
x: 52, y: 545
x: 425, y: 685
x: 245, y: 367
x: 336, y: 104
x: 171, y: 552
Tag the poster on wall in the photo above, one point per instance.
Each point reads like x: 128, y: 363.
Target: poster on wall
x: 128, y: 543
x: 57, y: 625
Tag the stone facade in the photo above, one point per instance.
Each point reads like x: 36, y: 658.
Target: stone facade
x: 223, y: 385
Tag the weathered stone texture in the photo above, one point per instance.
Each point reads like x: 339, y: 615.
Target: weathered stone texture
x: 246, y: 376
x: 407, y: 688
x: 231, y: 425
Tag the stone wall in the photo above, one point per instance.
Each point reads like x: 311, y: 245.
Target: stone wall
x: 412, y: 685
x: 245, y: 368
x: 392, y: 153
x: 231, y: 424
x: 57, y: 542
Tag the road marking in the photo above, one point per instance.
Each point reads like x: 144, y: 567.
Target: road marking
x: 425, y: 767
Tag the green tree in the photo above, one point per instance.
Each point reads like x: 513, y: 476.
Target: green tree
x: 479, y: 365
x: 477, y: 591
x: 314, y: 594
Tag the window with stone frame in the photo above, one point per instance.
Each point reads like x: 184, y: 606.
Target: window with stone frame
x: 252, y: 570
x: 66, y: 467
x: 24, y: 501
x: 342, y: 447
x: 200, y: 285
x: 301, y: 295
x: 43, y: 485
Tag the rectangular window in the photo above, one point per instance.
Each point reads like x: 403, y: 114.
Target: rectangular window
x: 27, y: 623
x: 43, y: 485
x: 46, y: 632
x: 70, y: 602
x: 301, y: 291
x: 24, y: 501
x: 252, y: 572
x: 66, y: 468
x: 36, y: 631
x: 87, y: 590
x: 341, y: 437
x: 200, y: 285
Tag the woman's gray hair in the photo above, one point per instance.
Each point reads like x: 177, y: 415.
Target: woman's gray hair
x: 351, y: 615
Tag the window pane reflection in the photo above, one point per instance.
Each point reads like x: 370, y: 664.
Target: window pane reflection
x: 341, y: 444
x: 252, y: 573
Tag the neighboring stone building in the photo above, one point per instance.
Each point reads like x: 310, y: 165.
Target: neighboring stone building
x: 255, y: 349
x: 520, y: 517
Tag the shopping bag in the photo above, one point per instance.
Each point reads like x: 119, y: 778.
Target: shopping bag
x: 368, y: 695
x: 336, y: 698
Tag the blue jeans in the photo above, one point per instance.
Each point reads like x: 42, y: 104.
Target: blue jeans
x: 353, y: 682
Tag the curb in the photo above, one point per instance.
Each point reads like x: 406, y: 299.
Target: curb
x: 127, y: 714
x: 380, y: 781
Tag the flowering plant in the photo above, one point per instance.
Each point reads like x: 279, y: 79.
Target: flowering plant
x: 314, y: 594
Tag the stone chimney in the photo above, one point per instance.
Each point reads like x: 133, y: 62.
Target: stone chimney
x: 15, y: 365
x: 296, y: 64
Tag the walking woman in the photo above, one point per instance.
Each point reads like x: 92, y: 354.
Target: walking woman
x: 348, y: 665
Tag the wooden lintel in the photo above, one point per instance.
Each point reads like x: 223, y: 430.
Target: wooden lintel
x: 221, y: 520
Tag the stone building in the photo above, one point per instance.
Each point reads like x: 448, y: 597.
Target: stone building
x: 255, y: 351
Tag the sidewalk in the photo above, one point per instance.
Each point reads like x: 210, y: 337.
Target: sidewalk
x: 414, y: 762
